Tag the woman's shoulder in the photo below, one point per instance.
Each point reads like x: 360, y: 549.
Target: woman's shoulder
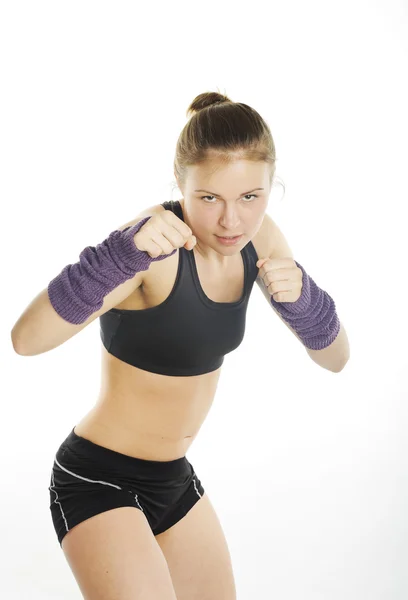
x: 148, y: 212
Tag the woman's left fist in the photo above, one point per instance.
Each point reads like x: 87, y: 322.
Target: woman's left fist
x: 282, y: 277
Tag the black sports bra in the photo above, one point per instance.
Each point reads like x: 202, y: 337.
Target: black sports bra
x: 187, y: 334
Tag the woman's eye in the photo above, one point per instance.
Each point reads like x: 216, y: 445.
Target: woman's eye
x: 246, y: 196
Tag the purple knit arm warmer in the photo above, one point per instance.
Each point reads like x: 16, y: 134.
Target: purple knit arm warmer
x: 313, y: 316
x: 78, y: 291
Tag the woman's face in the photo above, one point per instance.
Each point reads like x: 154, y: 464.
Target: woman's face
x: 222, y: 199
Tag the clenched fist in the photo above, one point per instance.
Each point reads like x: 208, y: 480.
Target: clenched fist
x: 163, y: 233
x: 282, y: 278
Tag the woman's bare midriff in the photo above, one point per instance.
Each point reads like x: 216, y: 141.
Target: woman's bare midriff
x: 148, y: 415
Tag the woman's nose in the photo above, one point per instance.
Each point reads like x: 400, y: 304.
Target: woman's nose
x: 230, y: 221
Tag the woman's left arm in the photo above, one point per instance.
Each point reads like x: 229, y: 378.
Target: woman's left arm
x: 303, y: 306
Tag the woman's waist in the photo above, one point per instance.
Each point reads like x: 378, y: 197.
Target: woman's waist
x: 137, y: 444
x: 145, y: 426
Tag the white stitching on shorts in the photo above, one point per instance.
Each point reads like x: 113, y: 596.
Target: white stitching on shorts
x: 84, y: 479
x: 56, y: 501
x: 138, y: 502
x: 195, y: 486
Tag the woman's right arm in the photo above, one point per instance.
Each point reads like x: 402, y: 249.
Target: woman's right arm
x: 79, y: 290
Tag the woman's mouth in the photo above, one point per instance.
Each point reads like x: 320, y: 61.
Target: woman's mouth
x: 229, y: 241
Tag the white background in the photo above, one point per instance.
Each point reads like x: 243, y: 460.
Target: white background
x: 313, y: 497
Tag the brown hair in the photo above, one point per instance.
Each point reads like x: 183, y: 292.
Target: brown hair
x: 224, y: 130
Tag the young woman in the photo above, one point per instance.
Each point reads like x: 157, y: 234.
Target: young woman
x: 171, y: 292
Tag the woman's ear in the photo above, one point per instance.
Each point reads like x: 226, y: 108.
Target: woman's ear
x: 178, y: 185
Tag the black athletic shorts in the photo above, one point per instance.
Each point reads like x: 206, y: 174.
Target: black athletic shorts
x: 88, y: 479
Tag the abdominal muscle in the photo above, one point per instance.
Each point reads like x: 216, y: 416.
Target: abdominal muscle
x: 147, y: 415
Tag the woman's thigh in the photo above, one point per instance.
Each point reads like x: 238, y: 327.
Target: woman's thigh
x: 115, y: 555
x: 198, y: 557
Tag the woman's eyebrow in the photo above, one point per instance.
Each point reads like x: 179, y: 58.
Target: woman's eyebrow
x: 219, y: 195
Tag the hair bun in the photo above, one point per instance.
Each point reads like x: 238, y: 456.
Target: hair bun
x: 206, y: 99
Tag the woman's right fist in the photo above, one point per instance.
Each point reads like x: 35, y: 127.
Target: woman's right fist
x: 163, y: 233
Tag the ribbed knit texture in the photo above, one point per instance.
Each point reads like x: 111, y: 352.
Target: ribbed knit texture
x: 78, y: 291
x: 313, y: 316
